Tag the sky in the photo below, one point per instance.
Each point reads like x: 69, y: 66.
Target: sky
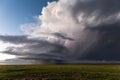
x: 59, y: 32
x: 14, y: 13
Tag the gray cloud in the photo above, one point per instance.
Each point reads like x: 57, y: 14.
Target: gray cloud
x: 17, y: 39
x: 72, y: 31
x: 38, y: 51
x: 108, y: 45
x: 104, y: 8
x: 61, y: 36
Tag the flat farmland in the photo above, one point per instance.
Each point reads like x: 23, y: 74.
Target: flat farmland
x: 60, y: 72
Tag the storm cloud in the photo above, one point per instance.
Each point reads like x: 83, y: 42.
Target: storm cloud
x: 38, y: 51
x: 76, y: 30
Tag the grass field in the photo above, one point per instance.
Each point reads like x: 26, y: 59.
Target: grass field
x: 60, y: 72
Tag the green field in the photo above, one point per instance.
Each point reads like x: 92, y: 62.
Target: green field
x: 60, y: 72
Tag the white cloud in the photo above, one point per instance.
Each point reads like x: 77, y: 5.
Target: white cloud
x: 4, y: 56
